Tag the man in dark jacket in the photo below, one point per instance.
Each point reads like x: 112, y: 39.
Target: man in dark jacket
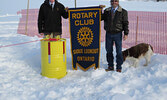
x: 115, y: 22
x: 49, y: 18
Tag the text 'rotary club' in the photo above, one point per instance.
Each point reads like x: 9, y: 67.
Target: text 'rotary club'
x: 87, y: 16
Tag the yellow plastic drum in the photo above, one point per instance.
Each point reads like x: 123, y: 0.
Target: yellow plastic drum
x: 53, y: 58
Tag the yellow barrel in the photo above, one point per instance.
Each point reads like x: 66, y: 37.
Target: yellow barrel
x: 53, y: 58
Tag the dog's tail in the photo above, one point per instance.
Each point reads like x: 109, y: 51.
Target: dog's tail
x: 151, y: 47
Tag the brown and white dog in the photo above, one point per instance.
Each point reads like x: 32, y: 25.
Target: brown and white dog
x: 138, y: 52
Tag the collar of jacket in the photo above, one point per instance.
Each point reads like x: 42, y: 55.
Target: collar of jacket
x: 119, y: 8
x: 47, y: 2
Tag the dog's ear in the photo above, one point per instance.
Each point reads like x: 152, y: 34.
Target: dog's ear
x: 124, y: 55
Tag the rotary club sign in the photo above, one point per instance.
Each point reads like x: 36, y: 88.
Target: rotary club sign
x: 85, y: 37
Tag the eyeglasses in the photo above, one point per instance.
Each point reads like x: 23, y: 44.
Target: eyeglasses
x: 114, y: 1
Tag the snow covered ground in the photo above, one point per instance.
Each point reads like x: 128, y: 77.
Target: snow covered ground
x: 20, y: 68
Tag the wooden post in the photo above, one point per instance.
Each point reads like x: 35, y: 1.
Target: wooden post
x: 27, y: 18
x: 75, y: 3
x: 137, y: 24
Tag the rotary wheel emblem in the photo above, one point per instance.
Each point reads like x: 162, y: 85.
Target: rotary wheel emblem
x: 85, y: 36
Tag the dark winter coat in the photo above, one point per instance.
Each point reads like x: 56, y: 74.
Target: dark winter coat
x: 49, y: 20
x: 120, y: 22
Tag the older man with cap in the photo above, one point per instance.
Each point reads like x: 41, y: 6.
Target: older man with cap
x: 115, y: 22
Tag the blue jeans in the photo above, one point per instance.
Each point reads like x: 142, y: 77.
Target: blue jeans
x: 110, y: 40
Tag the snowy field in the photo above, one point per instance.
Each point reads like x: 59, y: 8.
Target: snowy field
x: 20, y: 66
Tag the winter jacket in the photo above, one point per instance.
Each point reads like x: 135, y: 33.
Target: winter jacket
x: 49, y: 20
x: 120, y: 21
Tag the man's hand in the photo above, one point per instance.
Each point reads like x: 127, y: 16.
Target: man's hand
x: 125, y: 37
x: 41, y: 34
x: 102, y: 6
x: 66, y: 9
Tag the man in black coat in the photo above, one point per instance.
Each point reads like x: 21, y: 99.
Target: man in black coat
x: 49, y: 18
x: 115, y: 22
